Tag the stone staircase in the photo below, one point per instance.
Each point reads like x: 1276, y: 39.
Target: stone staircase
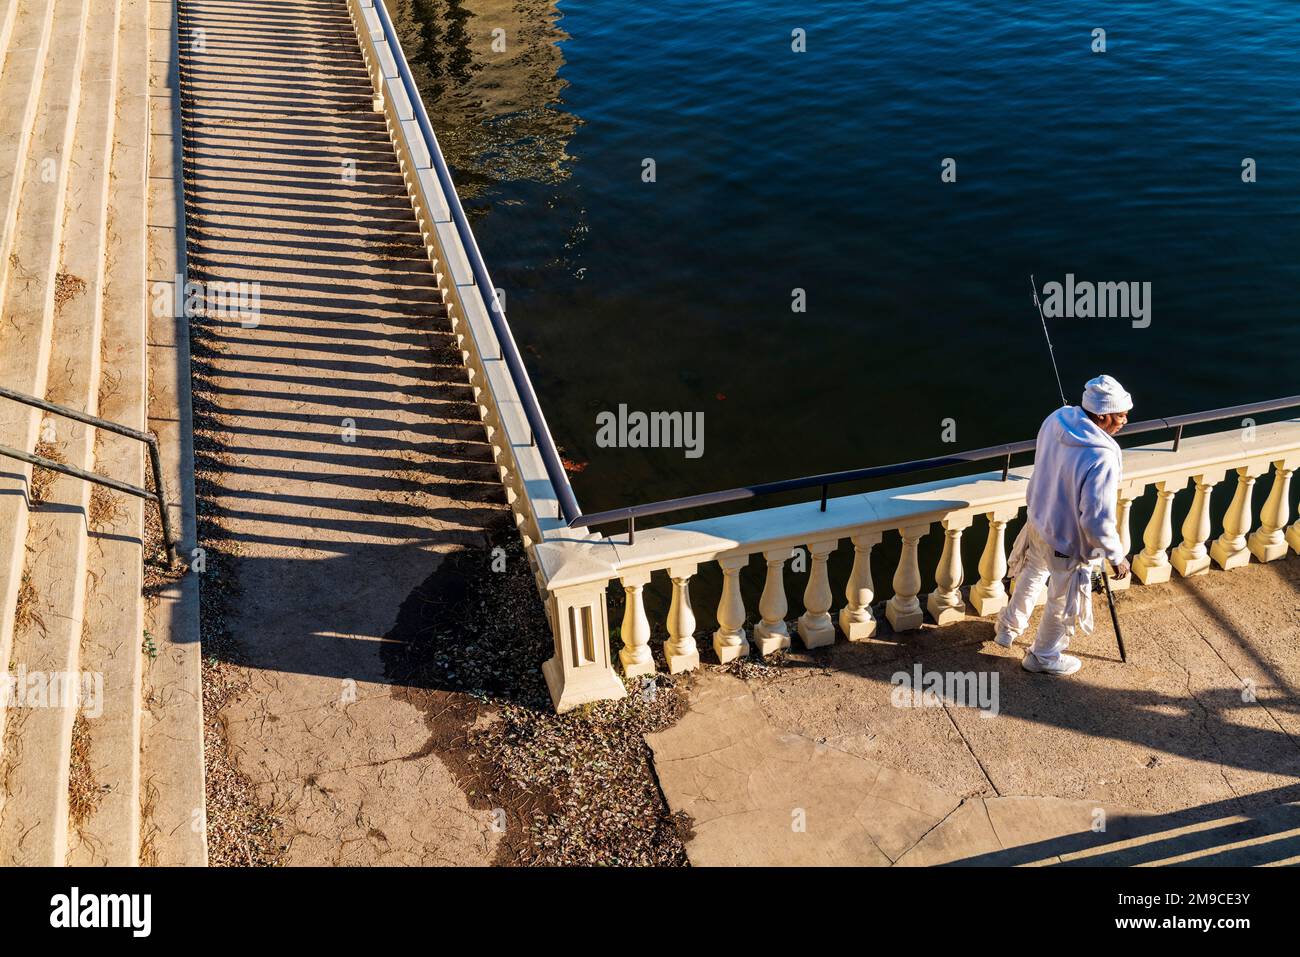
x: 75, y: 271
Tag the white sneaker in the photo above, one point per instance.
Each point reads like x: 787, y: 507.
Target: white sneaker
x: 1063, y: 665
x: 1006, y: 641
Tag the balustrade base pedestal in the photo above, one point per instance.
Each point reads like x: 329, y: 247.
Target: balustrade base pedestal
x: 943, y: 612
x: 856, y: 630
x: 817, y: 632
x: 635, y: 670
x: 767, y: 641
x: 1267, y: 551
x: 1228, y: 558
x: 727, y: 652
x: 1118, y: 584
x: 987, y: 605
x: 1188, y: 565
x: 1151, y: 574
x: 904, y: 620
x: 583, y: 686
x: 679, y: 663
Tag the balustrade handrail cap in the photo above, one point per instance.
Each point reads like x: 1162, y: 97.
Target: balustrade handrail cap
x: 887, y: 509
x: 804, y: 522
x: 576, y: 561
x: 988, y: 453
x: 1273, y: 439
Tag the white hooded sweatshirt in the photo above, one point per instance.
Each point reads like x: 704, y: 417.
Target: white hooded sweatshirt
x: 1072, y: 492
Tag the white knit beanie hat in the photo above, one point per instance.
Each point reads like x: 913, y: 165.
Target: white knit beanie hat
x: 1104, y: 394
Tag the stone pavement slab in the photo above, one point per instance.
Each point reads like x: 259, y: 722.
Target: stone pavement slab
x: 764, y: 797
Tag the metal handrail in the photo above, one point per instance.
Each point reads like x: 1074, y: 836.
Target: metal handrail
x: 148, y: 438
x: 541, y: 433
x: 631, y: 513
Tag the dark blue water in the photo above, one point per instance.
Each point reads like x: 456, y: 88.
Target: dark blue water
x: 821, y: 170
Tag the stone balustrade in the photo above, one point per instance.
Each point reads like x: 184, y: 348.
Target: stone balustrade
x: 761, y: 543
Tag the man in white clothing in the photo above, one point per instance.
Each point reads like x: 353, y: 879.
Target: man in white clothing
x: 1072, y: 498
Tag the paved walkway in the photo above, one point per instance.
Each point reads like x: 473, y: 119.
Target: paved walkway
x: 351, y: 461
x: 1188, y: 753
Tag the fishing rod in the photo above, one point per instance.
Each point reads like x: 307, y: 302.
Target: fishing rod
x: 1105, y: 578
x: 1050, y: 351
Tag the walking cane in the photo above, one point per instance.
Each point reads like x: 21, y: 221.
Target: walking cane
x: 1114, y: 618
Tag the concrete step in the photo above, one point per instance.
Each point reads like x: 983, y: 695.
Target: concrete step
x: 20, y: 77
x: 115, y: 610
x: 28, y: 27
x: 117, y: 778
x: 8, y: 13
x: 103, y: 795
x: 37, y: 742
x: 172, y: 766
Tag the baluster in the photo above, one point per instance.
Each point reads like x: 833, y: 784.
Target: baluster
x: 1192, y: 557
x: 1151, y: 567
x: 945, y: 602
x: 1230, y: 551
x: 729, y: 641
x: 1124, y: 506
x: 989, y: 596
x: 904, y: 609
x: 635, y: 654
x: 856, y: 620
x: 680, y: 648
x: 815, y: 626
x: 1293, y: 536
x: 1269, y: 543
x: 771, y: 634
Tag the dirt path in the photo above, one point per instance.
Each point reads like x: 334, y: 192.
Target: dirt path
x: 338, y: 459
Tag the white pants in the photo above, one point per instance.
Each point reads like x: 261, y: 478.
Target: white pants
x: 1042, y: 567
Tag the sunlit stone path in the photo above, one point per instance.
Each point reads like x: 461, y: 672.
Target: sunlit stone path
x: 349, y: 460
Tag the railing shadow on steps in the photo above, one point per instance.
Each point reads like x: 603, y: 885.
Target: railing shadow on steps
x: 159, y: 497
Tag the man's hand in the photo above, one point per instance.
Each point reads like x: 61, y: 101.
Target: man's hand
x: 1121, y: 570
